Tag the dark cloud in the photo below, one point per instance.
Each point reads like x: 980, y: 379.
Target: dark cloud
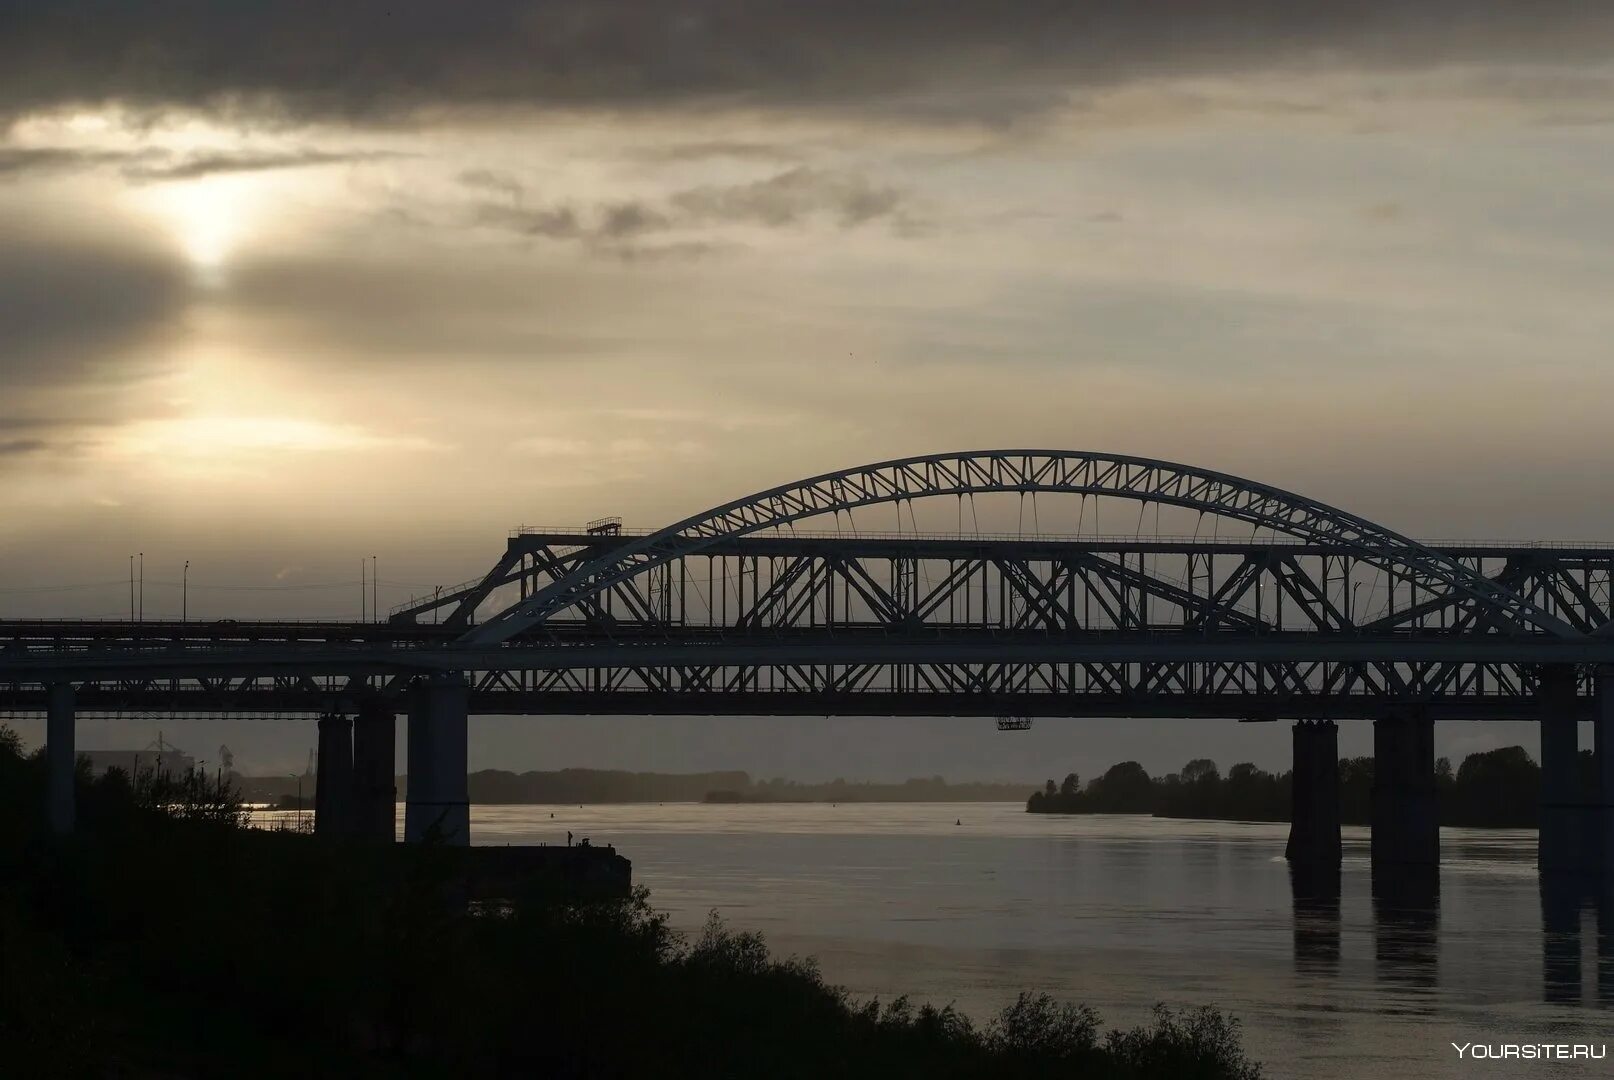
x: 23, y: 160
x: 716, y: 148
x: 790, y: 196
x: 194, y: 166
x: 153, y: 164
x: 387, y: 59
x: 780, y: 201
x: 18, y: 447
x: 73, y: 306
x: 556, y: 223
x: 491, y: 180
x: 627, y: 219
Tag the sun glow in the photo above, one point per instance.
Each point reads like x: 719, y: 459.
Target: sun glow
x: 208, y: 217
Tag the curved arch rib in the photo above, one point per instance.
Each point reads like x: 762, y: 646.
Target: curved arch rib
x: 983, y: 471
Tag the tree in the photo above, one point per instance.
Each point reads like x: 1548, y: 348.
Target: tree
x: 1124, y: 789
x: 1200, y: 770
x: 1071, y: 785
x: 1497, y: 788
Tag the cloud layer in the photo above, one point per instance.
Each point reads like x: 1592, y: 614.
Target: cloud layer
x: 386, y: 59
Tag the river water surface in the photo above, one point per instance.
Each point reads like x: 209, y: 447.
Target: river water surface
x: 970, y: 903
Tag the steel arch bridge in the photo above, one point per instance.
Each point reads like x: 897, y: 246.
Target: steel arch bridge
x: 736, y: 610
x: 1031, y: 471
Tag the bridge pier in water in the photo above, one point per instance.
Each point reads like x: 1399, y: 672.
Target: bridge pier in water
x: 1576, y: 831
x: 61, y: 755
x: 437, y: 797
x: 1559, y: 836
x: 1600, y: 817
x: 375, y: 793
x: 333, y: 783
x: 1314, y: 800
x: 1405, y: 817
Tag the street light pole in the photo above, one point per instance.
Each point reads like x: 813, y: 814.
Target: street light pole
x: 185, y: 593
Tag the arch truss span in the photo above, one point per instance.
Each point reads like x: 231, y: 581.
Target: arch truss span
x: 1029, y: 471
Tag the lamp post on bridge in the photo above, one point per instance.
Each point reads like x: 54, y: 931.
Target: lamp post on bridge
x: 184, y: 592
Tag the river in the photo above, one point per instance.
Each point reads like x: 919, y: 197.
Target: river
x: 969, y: 903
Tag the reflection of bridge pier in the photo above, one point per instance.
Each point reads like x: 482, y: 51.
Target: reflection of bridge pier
x: 1315, y: 890
x: 1406, y: 921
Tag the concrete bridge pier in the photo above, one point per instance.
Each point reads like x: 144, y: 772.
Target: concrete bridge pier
x: 1599, y: 817
x: 1314, y: 796
x: 61, y: 754
x: 1406, y: 823
x: 333, y: 783
x: 1560, y: 844
x: 375, y: 793
x: 437, y: 798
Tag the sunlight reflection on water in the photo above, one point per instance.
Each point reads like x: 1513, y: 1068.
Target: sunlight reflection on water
x: 1121, y: 912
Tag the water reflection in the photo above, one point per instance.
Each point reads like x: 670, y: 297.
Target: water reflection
x: 1561, y: 897
x: 1334, y: 975
x: 1605, y: 949
x: 1568, y: 903
x: 1316, y: 898
x: 1406, y: 932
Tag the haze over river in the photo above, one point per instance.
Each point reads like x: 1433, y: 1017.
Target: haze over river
x: 1120, y: 912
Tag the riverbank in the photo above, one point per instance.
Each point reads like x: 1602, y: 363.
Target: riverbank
x: 1492, y: 789
x: 278, y: 953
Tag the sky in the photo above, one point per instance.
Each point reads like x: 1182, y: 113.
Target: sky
x: 286, y: 285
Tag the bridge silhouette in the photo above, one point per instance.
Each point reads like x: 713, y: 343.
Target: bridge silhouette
x: 1256, y: 615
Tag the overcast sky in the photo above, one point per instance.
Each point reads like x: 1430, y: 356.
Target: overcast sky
x: 283, y: 285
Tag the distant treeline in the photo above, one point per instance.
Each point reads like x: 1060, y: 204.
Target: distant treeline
x: 1496, y: 788
x: 619, y: 786
x: 596, y: 786
x: 918, y: 789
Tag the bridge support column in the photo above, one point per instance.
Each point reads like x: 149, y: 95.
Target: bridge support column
x: 333, y: 784
x: 1600, y: 818
x: 375, y: 792
x: 437, y: 798
x: 1559, y: 841
x: 1314, y: 795
x: 61, y: 755
x: 1406, y: 823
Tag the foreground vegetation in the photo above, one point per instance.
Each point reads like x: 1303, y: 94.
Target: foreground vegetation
x: 168, y: 939
x: 1496, y: 788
